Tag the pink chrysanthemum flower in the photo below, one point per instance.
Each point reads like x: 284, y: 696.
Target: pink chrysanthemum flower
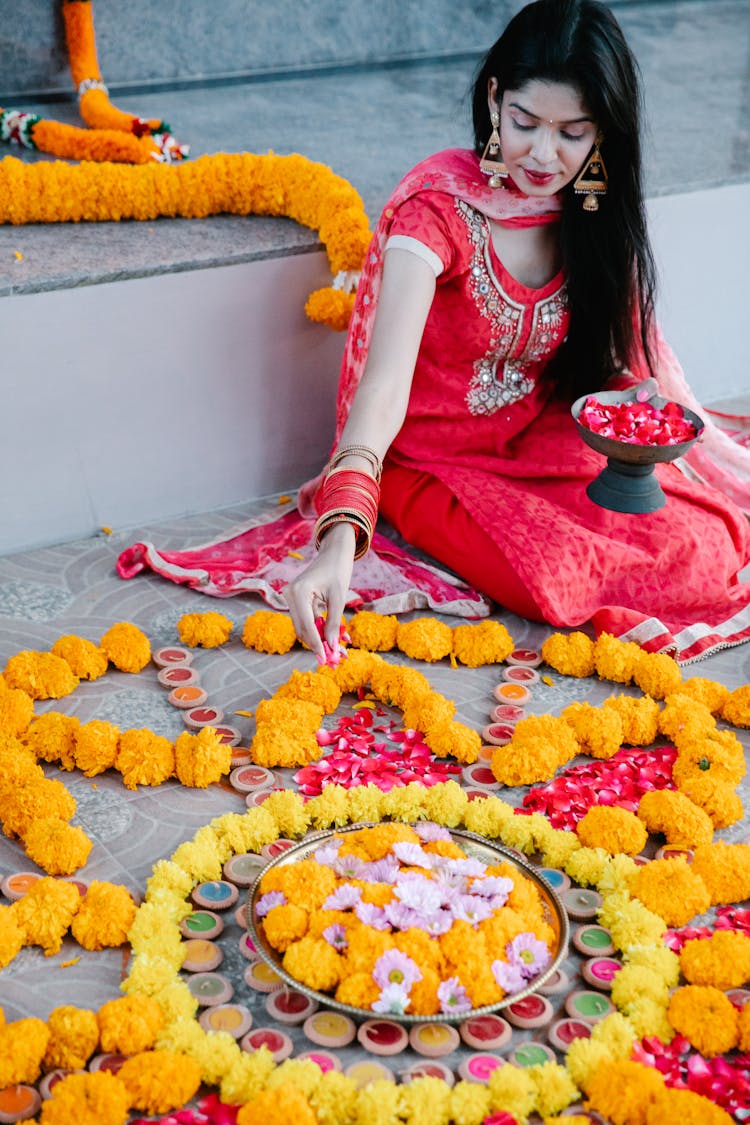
x: 453, y: 996
x: 394, y: 967
x: 528, y: 953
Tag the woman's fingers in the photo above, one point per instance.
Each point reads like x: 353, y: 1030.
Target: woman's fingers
x: 305, y: 604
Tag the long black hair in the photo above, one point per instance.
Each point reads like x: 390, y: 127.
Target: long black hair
x: 606, y: 254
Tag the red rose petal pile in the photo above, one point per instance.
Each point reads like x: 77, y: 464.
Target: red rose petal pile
x: 621, y: 780
x: 357, y: 758
x: 724, y: 1080
x: 727, y: 918
x: 637, y: 423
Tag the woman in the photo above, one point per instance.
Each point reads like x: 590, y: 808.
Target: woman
x: 498, y: 301
x: 502, y: 283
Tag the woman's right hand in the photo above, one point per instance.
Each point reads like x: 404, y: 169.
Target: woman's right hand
x: 321, y: 589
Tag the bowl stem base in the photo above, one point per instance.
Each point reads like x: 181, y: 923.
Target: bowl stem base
x: 623, y: 487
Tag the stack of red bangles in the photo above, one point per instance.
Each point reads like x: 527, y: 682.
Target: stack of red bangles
x: 350, y: 496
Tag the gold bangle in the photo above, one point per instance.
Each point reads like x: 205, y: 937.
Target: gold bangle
x: 357, y: 450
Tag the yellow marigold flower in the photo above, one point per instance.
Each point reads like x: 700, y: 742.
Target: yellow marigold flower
x: 633, y: 983
x: 375, y: 632
x: 366, y: 802
x: 425, y: 1099
x: 42, y: 675
x: 630, y: 922
x: 285, y: 1105
x: 355, y: 672
x: 683, y: 1107
x: 658, y: 958
x: 104, y: 916
x: 288, y: 810
x: 555, y: 1088
x: 706, y: 1017
x: 426, y: 710
x: 639, y: 718
x: 583, y: 1060
x: 246, y: 1077
x: 743, y: 1028
x: 617, y: 875
x: 405, y: 803
x: 586, y: 866
x: 168, y: 879
x: 209, y: 630
x: 334, y: 1100
x: 129, y: 1024
x: 528, y: 834
x: 615, y: 659
x: 377, y: 1104
x: 11, y: 938
x: 448, y: 738
x: 725, y: 869
x: 57, y: 847
x: 513, y: 1090
x: 88, y: 1099
x: 672, y: 889
x: 312, y: 687
x: 87, y: 661
x: 718, y: 753
x: 74, y: 1036
x: 45, y: 913
x: 683, y: 712
x: 488, y: 642
x: 267, y: 631
x: 52, y: 737
x: 721, y: 960
x: 469, y: 1104
x: 736, y: 709
x: 622, y: 1091
x: 96, y: 747
x: 144, y: 758
x: 201, y: 759
x: 155, y: 930
x: 674, y: 814
x: 614, y: 829
x: 16, y: 711
x: 126, y: 647
x: 158, y: 1081
x: 246, y: 832
x: 330, y: 809
x: 446, y: 804
x: 598, y: 730
x: 486, y: 816
x: 558, y: 847
x: 571, y: 654
x: 657, y: 674
x: 708, y: 692
x: 715, y: 797
x: 22, y: 1047
x: 425, y: 638
x: 617, y: 1034
x: 313, y: 962
x: 284, y: 925
x: 304, y: 1075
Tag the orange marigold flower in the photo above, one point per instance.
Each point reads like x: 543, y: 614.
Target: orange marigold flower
x: 286, y: 1105
x: 657, y: 674
x: 358, y: 989
x: 209, y: 630
x: 598, y: 729
x: 22, y: 1047
x: 354, y: 672
x: 488, y: 642
x: 312, y: 687
x: 87, y: 1099
x: 715, y: 797
x: 306, y: 883
x: 52, y: 737
x: 571, y: 654
x: 34, y: 797
x: 104, y: 916
x: 144, y: 758
x: 201, y: 759
x: 284, y: 925
x: 623, y: 1091
x: 16, y: 711
x: 377, y: 842
x: 313, y: 962
x: 74, y: 1036
x: 396, y: 685
x: 375, y: 632
x: 11, y: 937
x: 535, y: 760
x: 425, y: 638
x: 708, y: 692
x: 423, y: 997
x: 158, y: 1081
x: 331, y: 307
x: 17, y: 763
x: 87, y: 661
x: 706, y: 1017
x: 674, y: 814
x: 126, y: 647
x: 743, y: 1029
x: 671, y: 889
x: 57, y: 847
x: 682, y: 712
x: 45, y: 913
x: 129, y: 1024
x: 721, y: 960
x: 615, y: 659
x: 736, y: 709
x: 96, y: 747
x: 428, y: 709
x: 42, y: 675
x: 452, y: 739
x: 639, y: 718
x: 725, y: 869
x: 718, y: 753
x: 683, y: 1107
x: 269, y: 631
x: 614, y: 829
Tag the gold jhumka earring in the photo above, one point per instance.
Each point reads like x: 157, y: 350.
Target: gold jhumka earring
x: 492, y: 159
x: 592, y: 179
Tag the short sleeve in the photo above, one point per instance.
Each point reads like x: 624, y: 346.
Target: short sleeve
x: 422, y: 225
